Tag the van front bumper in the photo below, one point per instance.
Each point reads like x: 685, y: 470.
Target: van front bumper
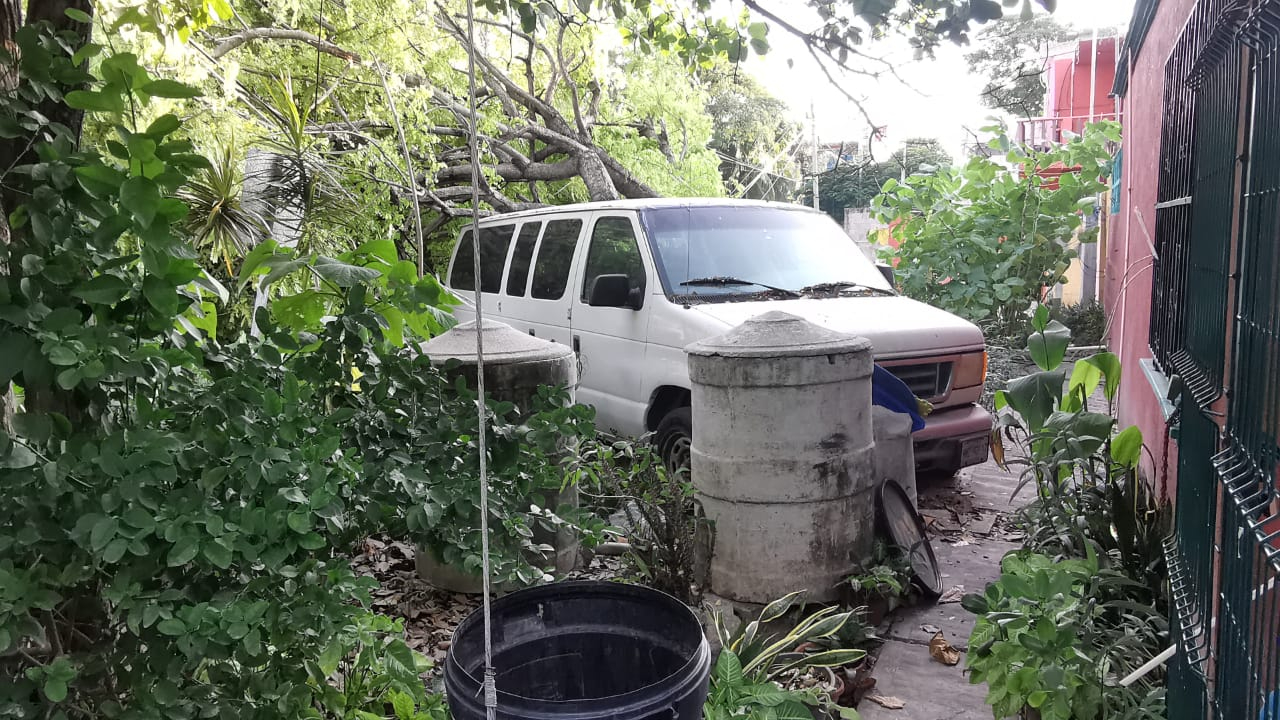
x: 953, y: 438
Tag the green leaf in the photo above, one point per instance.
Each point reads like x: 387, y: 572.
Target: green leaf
x: 728, y: 670
x: 253, y: 261
x: 170, y: 89
x: 62, y: 355
x: 141, y: 197
x: 86, y: 51
x: 218, y: 555
x: 19, y: 456
x: 1037, y: 698
x: 55, y: 689
x: 115, y: 550
x: 103, y: 532
x: 36, y: 427
x: 343, y: 274
x: 172, y: 627
x: 299, y: 522
x: 384, y: 250
x: 1084, y: 380
x: 1126, y: 447
x: 184, y: 551
x: 79, y: 16
x: 1033, y: 396
x: 163, y: 125
x: 160, y: 295
x: 1109, y: 365
x: 92, y: 100
x: 102, y: 290
x: 1049, y: 346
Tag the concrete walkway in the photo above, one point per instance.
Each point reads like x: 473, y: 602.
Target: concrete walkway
x: 969, y: 517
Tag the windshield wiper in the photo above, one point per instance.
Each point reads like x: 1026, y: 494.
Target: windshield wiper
x: 844, y: 285
x: 733, y: 281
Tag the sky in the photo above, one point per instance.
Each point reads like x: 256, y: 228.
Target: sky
x: 938, y: 99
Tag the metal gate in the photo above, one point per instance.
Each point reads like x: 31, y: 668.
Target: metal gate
x: 1217, y: 290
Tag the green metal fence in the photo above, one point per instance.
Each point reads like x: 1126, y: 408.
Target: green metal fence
x: 1248, y: 642
x: 1220, y: 210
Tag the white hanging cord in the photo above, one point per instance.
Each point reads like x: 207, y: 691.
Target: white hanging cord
x: 490, y: 684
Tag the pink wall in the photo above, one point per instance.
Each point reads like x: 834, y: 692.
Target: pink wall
x: 1071, y: 80
x: 1127, y: 286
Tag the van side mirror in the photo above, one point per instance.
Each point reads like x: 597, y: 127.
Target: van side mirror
x: 614, y: 291
x: 887, y: 272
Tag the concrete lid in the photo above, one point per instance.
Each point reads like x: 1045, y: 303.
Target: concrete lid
x: 503, y: 345
x: 779, y: 334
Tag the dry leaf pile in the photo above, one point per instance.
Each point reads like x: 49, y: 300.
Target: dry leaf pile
x: 431, y: 615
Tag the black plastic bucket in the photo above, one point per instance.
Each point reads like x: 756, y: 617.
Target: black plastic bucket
x: 583, y: 650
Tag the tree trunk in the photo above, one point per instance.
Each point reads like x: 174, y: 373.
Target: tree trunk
x: 55, y: 12
x: 17, y: 152
x: 10, y: 21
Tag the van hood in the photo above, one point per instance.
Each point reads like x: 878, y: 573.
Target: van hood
x: 896, y: 326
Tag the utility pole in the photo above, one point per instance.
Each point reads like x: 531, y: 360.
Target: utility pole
x: 813, y: 119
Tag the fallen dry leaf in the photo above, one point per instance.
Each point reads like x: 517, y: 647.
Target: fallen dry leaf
x: 892, y: 703
x: 942, y: 651
x: 952, y: 595
x: 930, y: 628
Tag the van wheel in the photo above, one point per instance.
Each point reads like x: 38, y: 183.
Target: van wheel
x: 674, y: 440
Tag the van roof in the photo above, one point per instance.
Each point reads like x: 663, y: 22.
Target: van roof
x: 644, y: 204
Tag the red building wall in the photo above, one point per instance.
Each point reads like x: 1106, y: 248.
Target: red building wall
x: 1127, y: 281
x: 1071, y: 79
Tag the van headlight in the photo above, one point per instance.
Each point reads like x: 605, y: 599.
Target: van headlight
x: 970, y: 370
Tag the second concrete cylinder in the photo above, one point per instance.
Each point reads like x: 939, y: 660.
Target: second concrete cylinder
x: 782, y: 456
x: 516, y: 366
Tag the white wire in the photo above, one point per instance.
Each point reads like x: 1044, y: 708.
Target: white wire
x: 490, y: 685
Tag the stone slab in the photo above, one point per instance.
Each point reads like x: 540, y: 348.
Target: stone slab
x: 928, y: 689
x: 973, y: 566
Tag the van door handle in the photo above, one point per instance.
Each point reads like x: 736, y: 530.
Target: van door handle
x: 531, y: 332
x: 577, y: 344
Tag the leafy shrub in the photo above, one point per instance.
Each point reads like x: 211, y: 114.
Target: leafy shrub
x: 1090, y: 496
x: 1086, y: 320
x: 660, y: 508
x: 177, y: 513
x: 984, y: 242
x: 1055, y: 635
x: 1083, y: 605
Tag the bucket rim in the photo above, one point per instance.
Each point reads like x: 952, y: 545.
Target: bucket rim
x: 677, y: 677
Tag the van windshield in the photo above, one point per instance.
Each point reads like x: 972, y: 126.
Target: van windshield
x: 727, y: 251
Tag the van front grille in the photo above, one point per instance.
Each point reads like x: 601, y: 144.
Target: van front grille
x: 927, y: 381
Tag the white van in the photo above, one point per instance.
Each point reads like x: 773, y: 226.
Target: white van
x: 629, y: 284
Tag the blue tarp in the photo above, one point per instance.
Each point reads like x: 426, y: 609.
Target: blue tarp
x: 888, y: 391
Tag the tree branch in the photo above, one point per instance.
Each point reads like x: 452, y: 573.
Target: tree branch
x: 232, y: 42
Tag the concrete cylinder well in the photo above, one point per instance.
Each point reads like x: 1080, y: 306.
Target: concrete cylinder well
x: 516, y: 365
x: 783, y: 456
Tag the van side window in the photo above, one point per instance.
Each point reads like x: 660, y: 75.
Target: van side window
x: 463, y: 274
x: 494, y: 244
x: 518, y: 276
x: 555, y: 257
x: 613, y: 251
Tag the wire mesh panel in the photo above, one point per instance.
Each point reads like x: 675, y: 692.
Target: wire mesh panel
x: 1173, y: 210
x: 1189, y: 554
x: 1248, y: 642
x: 1215, y: 79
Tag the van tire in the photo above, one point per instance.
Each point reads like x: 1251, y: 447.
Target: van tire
x: 674, y: 439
